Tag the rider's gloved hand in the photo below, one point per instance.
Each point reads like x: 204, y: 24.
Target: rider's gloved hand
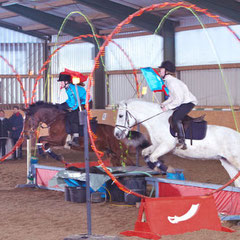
x: 163, y: 108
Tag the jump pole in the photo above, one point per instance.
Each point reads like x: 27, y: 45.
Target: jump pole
x: 30, y: 182
x: 29, y: 145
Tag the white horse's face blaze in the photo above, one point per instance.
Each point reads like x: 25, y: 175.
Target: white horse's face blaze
x: 124, y: 123
x: 121, y: 128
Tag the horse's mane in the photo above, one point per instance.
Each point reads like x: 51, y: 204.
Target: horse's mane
x: 138, y: 100
x: 142, y: 105
x: 33, y: 108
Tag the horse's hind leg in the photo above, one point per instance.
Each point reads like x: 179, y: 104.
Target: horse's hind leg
x: 231, y: 170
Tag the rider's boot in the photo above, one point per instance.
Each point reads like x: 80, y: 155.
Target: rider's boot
x: 181, y: 136
x: 75, y: 140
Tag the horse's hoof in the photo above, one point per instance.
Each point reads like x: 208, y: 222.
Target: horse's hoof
x: 76, y: 145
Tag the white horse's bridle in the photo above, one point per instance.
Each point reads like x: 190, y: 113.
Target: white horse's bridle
x: 125, y: 119
x: 124, y: 122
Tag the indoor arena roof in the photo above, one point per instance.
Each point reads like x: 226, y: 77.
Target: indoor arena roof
x: 43, y: 18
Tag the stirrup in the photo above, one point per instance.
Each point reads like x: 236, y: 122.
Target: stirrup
x: 181, y: 144
x: 74, y: 142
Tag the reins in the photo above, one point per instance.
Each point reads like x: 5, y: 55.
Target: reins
x: 136, y: 124
x: 146, y: 119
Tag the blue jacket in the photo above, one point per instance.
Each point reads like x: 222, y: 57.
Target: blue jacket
x: 72, y: 101
x: 16, y: 121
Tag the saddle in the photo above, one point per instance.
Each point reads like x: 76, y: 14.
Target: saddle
x: 194, y: 128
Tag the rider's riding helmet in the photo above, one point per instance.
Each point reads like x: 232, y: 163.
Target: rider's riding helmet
x: 64, y: 77
x: 169, y: 66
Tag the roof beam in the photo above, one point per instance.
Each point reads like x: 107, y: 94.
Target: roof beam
x: 38, y: 26
x: 42, y: 7
x: 146, y: 21
x: 74, y: 18
x: 229, y: 9
x: 55, y: 22
x: 19, y: 29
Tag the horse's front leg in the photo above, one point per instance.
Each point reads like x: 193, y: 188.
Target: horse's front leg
x: 52, y: 154
x: 149, y: 150
x: 154, y: 160
x: 159, y: 151
x: 44, y: 147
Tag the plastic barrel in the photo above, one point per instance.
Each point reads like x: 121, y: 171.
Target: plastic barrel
x: 132, y: 199
x: 136, y: 184
x: 67, y: 194
x: 77, y: 194
x: 96, y: 197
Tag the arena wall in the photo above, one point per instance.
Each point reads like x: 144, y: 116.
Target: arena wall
x: 222, y: 117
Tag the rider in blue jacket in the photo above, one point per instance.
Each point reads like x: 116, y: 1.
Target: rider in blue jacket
x: 72, y: 105
x: 72, y: 101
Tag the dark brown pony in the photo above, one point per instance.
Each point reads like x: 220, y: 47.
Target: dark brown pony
x: 48, y: 113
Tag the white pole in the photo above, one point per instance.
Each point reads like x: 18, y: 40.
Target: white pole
x: 28, y: 158
x: 78, y: 98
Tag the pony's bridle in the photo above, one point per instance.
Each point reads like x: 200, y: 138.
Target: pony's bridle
x: 35, y: 128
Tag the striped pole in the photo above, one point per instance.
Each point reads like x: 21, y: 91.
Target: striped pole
x: 28, y: 159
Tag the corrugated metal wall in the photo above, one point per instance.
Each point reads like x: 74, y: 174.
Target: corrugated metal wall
x: 210, y: 46
x: 123, y: 86
x: 10, y: 36
x: 144, y: 51
x: 26, y: 55
x: 80, y: 57
x: 26, y: 58
x: 76, y: 57
x: 209, y: 87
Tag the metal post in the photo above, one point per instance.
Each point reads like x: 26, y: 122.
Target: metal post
x: 83, y: 121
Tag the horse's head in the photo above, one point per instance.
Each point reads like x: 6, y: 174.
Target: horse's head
x: 125, y: 121
x: 37, y: 113
x: 30, y: 124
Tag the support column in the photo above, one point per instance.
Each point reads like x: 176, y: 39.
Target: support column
x: 99, y: 86
x: 169, y: 43
x: 47, y: 87
x: 168, y: 34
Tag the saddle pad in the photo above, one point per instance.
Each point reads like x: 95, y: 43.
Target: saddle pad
x: 195, y: 131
